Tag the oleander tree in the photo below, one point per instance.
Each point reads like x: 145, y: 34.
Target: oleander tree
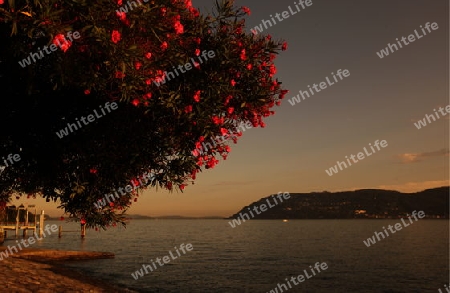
x: 120, y: 56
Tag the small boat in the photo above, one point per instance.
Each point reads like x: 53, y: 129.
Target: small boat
x: 285, y: 220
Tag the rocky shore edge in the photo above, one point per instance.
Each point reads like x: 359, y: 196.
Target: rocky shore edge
x: 43, y: 271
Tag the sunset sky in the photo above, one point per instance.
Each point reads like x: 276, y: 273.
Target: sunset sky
x: 380, y: 100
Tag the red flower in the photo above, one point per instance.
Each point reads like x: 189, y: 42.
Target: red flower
x: 61, y: 41
x: 188, y: 109
x: 242, y: 56
x: 120, y: 74
x: 223, y: 131
x: 197, y: 96
x: 216, y: 120
x: 148, y: 55
x: 122, y: 15
x: 164, y: 45
x: 163, y: 11
x: 249, y: 66
x: 227, y: 100
x: 135, y: 102
x: 273, y: 70
x: 1, y: 2
x: 201, y: 139
x: 230, y: 110
x: 196, y: 65
x: 197, y: 52
x: 148, y: 96
x: 182, y: 186
x: 82, y: 221
x: 160, y: 76
x: 227, y: 149
x: 194, y: 12
x: 284, y: 46
x: 198, y: 40
x: 93, y: 171
x: 61, y: 218
x: 115, y: 36
x: 137, y: 65
x: 233, y: 83
x: 86, y: 92
x: 179, y: 29
x: 246, y: 10
x: 283, y: 93
x: 119, y: 2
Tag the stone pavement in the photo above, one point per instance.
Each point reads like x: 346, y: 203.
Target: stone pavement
x: 41, y: 274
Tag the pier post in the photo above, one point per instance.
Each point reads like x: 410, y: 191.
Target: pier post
x: 60, y: 231
x: 83, y: 230
x: 26, y: 217
x: 17, y: 222
x: 41, y: 224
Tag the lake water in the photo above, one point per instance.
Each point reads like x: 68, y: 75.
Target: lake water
x: 259, y: 254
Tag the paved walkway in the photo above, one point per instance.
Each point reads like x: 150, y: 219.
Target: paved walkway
x: 27, y: 275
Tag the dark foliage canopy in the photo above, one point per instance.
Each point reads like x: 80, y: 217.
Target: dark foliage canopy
x: 120, y: 56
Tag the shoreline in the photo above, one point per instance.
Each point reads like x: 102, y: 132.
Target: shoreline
x: 44, y: 270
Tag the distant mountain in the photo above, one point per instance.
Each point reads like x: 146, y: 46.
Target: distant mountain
x: 363, y: 203
x: 138, y: 217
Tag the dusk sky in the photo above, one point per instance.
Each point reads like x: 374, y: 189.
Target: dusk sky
x: 380, y: 100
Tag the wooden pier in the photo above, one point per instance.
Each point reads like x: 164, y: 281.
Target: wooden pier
x: 26, y: 226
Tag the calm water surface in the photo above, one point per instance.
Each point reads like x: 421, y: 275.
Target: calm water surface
x: 256, y: 255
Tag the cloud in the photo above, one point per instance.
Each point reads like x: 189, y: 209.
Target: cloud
x: 417, y: 157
